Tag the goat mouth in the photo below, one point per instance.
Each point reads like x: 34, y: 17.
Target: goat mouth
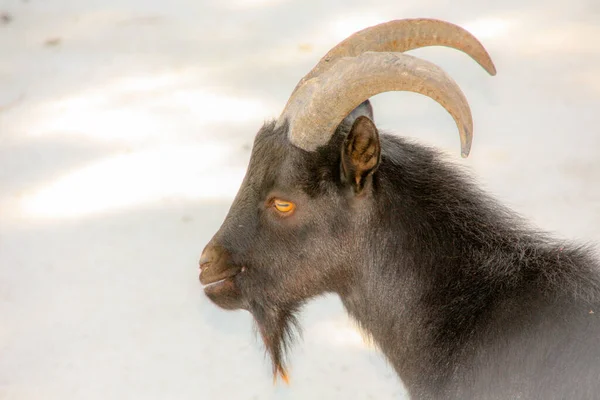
x: 216, y: 282
x: 211, y: 276
x: 220, y: 286
x: 214, y: 286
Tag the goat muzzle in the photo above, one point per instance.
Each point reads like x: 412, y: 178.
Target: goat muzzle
x: 215, y: 266
x: 217, y: 274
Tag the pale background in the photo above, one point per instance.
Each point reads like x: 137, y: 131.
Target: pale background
x: 125, y: 129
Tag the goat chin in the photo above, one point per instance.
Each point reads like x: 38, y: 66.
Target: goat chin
x: 225, y: 294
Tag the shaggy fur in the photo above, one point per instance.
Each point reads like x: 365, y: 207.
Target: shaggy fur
x: 463, y: 298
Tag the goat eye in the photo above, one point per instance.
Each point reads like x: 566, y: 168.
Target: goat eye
x: 282, y: 206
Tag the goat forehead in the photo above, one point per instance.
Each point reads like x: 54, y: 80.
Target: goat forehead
x: 274, y: 162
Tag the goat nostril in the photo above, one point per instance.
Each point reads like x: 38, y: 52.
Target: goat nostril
x: 204, y: 261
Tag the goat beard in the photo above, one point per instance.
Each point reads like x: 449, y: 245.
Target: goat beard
x: 278, y: 328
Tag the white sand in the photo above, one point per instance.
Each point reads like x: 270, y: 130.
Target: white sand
x: 125, y: 129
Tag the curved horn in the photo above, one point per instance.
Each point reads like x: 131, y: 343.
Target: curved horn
x: 404, y: 35
x: 315, y: 111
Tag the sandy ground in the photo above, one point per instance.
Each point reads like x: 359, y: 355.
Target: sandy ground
x: 125, y: 129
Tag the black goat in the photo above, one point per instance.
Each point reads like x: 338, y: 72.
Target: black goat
x: 463, y: 298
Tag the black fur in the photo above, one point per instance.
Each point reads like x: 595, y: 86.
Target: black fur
x: 463, y: 298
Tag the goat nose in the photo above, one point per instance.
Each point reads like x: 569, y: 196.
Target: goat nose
x: 212, y: 254
x: 205, y: 259
x: 209, y: 255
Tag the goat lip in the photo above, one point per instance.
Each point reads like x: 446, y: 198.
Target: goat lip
x: 215, y: 286
x: 207, y: 278
x: 216, y: 283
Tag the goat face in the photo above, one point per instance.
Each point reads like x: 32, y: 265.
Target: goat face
x: 291, y: 231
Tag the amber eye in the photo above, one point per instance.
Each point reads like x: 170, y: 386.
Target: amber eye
x: 283, y: 206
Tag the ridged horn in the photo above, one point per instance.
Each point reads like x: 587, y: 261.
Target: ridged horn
x: 321, y: 103
x: 404, y: 35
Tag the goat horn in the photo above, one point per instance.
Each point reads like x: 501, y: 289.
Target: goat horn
x: 404, y: 35
x: 319, y: 106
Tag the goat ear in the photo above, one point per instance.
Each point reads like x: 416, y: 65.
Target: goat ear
x: 360, y: 153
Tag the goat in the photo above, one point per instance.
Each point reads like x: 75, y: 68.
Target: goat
x: 463, y: 297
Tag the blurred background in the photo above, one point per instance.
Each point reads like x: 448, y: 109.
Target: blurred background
x: 125, y: 130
